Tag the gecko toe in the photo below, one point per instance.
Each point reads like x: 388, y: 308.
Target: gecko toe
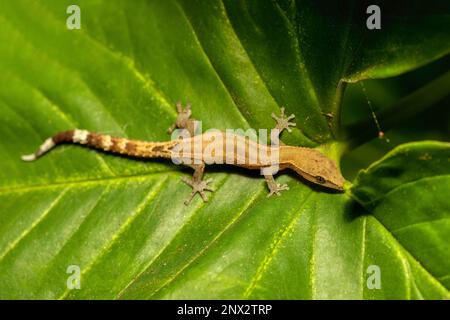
x: 189, y: 199
x: 198, y: 186
x: 203, y: 195
x: 187, y: 181
x: 283, y: 122
x: 276, y: 189
x: 281, y: 187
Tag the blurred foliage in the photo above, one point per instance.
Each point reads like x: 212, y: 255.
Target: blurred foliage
x: 431, y: 124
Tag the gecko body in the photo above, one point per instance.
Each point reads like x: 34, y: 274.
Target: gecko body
x: 212, y: 148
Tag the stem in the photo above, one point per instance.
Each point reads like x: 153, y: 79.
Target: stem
x: 336, y: 108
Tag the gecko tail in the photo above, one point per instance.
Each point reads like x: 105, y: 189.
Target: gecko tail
x: 29, y: 157
x: 50, y: 143
x: 45, y: 147
x: 123, y: 146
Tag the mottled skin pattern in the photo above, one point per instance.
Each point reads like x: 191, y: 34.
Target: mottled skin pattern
x: 133, y: 148
x: 308, y: 163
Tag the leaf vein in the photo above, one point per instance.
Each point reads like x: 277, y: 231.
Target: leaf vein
x: 35, y: 223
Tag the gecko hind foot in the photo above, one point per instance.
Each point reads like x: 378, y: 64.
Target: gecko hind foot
x: 198, y: 186
x: 284, y: 122
x: 276, y: 188
x: 182, y: 119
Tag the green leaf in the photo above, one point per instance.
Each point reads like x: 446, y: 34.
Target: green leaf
x: 123, y: 221
x: 407, y: 192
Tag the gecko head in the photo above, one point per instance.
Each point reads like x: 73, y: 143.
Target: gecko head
x: 319, y: 169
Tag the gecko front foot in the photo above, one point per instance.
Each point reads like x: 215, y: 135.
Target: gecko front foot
x: 198, y: 186
x: 284, y: 122
x: 274, y: 188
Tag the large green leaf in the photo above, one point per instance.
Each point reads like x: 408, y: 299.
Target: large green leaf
x: 413, y: 182
x: 123, y: 222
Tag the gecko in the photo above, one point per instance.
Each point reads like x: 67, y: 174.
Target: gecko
x: 308, y: 163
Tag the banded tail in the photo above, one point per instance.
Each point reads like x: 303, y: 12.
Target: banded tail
x: 134, y: 148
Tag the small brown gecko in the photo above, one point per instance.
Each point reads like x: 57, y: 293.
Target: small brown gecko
x: 308, y: 163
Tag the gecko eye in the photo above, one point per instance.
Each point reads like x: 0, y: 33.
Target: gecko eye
x: 320, y: 179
